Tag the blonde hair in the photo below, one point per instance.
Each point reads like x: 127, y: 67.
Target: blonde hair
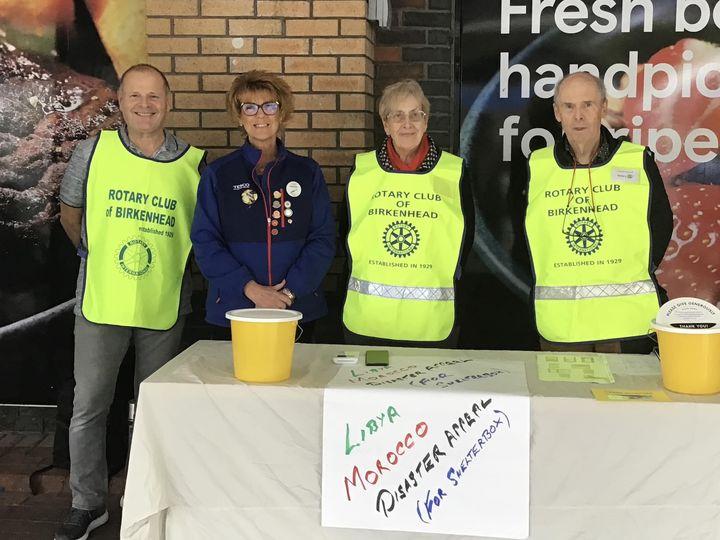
x: 256, y: 81
x: 398, y: 91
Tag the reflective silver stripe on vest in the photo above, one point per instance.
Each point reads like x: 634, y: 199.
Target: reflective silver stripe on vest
x: 401, y: 293
x: 594, y: 291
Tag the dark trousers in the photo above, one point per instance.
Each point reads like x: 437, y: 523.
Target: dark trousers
x: 629, y: 346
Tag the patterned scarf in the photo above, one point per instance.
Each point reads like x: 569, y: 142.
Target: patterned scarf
x: 431, y: 158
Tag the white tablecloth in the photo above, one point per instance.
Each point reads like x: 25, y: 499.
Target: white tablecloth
x: 215, y: 458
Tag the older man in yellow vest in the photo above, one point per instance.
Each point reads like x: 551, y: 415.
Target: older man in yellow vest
x: 598, y: 221
x: 127, y: 202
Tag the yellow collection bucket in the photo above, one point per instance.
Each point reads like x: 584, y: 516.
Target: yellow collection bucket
x: 262, y: 342
x: 689, y: 358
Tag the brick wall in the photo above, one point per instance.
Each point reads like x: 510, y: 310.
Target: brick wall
x: 323, y: 48
x: 420, y: 46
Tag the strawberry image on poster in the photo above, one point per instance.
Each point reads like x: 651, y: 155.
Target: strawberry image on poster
x: 691, y: 266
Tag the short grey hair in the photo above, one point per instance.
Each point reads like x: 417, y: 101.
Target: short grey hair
x: 399, y: 90
x: 589, y: 76
x: 144, y: 68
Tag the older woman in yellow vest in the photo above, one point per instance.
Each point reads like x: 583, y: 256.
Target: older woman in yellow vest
x: 410, y: 228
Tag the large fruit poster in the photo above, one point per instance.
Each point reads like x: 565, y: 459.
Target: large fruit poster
x: 660, y: 61
x: 59, y: 66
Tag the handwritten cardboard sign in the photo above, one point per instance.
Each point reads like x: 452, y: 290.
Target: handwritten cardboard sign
x: 427, y: 456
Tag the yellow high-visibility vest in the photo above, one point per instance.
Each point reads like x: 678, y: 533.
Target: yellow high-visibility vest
x: 589, y: 242
x: 406, y: 232
x: 138, y: 214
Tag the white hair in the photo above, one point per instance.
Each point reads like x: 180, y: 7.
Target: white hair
x: 589, y: 76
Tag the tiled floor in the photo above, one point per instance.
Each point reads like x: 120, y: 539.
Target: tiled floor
x: 27, y: 516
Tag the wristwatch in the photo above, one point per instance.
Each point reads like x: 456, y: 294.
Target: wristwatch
x: 287, y: 292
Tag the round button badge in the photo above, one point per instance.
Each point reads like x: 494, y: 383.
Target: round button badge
x: 293, y: 189
x: 248, y: 196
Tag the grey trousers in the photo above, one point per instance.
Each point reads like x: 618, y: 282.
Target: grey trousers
x: 99, y: 352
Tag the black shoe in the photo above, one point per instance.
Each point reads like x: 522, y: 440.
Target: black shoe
x: 79, y: 523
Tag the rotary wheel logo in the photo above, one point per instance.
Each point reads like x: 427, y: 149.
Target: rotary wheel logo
x: 584, y: 236
x: 401, y: 238
x: 135, y: 257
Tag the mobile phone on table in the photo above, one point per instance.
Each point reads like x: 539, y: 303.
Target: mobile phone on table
x: 377, y: 358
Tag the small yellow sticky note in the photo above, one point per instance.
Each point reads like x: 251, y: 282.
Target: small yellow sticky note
x: 617, y: 394
x: 574, y: 367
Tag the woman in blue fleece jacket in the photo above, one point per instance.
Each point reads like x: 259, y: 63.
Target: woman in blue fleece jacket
x: 263, y: 232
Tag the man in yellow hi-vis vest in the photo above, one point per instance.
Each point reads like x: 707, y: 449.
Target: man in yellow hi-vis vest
x: 127, y: 201
x: 598, y: 222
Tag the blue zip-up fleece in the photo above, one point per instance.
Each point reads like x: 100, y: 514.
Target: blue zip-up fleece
x: 236, y: 240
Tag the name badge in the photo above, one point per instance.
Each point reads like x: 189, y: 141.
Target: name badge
x: 626, y: 175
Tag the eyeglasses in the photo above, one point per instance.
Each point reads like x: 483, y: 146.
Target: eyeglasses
x: 269, y: 107
x: 400, y: 117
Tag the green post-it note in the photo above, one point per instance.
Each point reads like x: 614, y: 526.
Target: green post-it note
x: 574, y: 367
